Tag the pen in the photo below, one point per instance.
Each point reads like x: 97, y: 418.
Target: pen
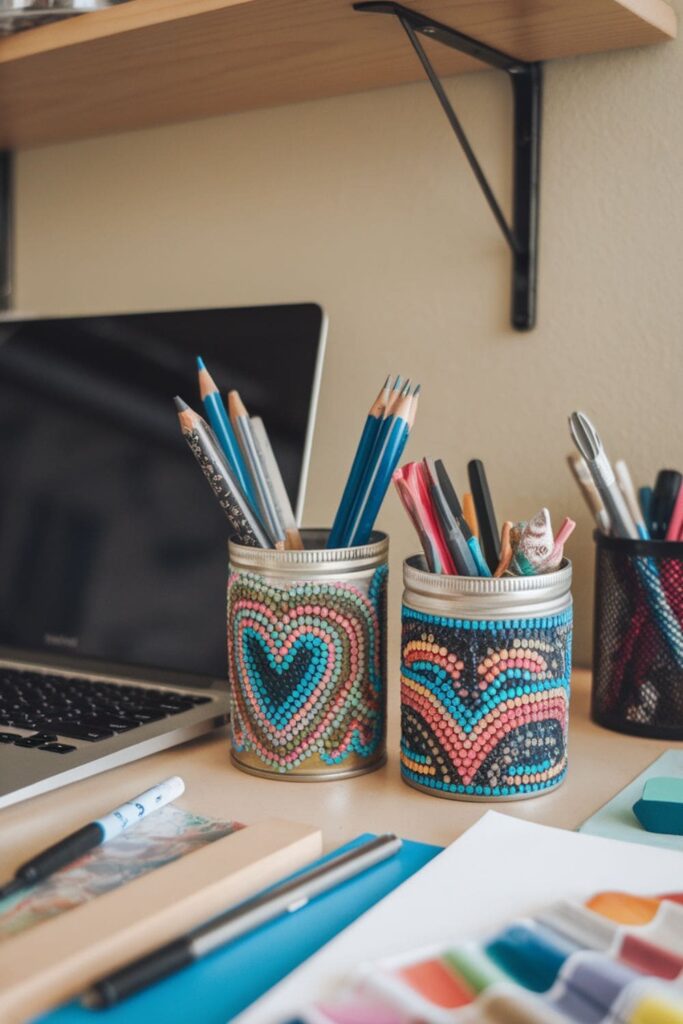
x: 285, y: 898
x: 486, y: 516
x: 664, y: 495
x: 453, y: 535
x: 587, y: 440
x: 582, y: 475
x: 476, y: 566
x: 94, y: 834
x: 625, y: 481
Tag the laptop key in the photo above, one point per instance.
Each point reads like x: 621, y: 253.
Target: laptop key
x: 9, y: 737
x: 58, y: 748
x: 79, y: 731
x: 35, y: 741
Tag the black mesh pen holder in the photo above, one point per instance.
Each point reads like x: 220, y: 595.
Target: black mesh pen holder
x: 638, y: 637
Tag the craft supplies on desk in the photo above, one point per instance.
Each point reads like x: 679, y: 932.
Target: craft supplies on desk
x: 638, y: 627
x: 307, y: 657
x: 500, y: 870
x: 259, y: 960
x: 287, y: 897
x: 57, y: 958
x: 448, y: 541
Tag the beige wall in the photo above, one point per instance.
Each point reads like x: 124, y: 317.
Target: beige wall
x: 365, y: 204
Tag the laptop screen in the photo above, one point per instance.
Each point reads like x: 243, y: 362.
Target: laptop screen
x: 112, y: 546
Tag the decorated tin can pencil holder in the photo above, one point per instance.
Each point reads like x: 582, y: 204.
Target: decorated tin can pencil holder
x: 307, y: 657
x: 638, y: 637
x: 485, y: 673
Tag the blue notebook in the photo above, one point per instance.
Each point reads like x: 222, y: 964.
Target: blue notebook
x: 216, y: 989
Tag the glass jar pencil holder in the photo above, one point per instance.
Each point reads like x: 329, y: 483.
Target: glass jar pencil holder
x: 638, y: 637
x: 307, y: 658
x: 485, y: 676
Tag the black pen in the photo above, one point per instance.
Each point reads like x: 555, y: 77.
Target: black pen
x: 488, y: 528
x: 74, y: 846
x: 284, y: 898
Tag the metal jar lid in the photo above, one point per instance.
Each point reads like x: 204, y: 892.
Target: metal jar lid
x: 315, y: 560
x: 479, y: 597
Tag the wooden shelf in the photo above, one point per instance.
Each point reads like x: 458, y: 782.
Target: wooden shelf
x: 152, y: 62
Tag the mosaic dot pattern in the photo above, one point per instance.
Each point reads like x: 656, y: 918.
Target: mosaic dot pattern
x: 485, y: 705
x: 307, y: 670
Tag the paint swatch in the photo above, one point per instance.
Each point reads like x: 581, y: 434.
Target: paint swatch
x: 615, y: 958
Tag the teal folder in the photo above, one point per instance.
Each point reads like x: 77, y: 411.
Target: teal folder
x: 216, y: 989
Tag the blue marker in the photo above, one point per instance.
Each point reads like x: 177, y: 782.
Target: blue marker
x: 97, y: 832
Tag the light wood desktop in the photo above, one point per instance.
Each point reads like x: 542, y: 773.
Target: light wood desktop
x: 600, y: 764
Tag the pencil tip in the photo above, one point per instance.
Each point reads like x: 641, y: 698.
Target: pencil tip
x: 387, y: 382
x: 417, y: 390
x: 200, y: 363
x: 397, y: 382
x: 406, y: 388
x: 179, y: 404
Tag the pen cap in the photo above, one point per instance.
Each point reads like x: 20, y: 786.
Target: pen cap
x: 485, y: 677
x: 638, y: 637
x: 307, y: 658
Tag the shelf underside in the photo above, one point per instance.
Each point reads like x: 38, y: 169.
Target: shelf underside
x: 152, y: 62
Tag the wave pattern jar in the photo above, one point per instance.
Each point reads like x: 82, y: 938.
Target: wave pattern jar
x: 307, y: 657
x: 485, y: 675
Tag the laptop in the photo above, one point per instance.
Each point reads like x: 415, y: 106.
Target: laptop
x: 113, y: 559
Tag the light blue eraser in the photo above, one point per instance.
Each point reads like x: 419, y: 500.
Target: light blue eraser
x: 660, y: 808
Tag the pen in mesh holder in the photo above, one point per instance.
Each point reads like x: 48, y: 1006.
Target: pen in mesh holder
x: 485, y: 675
x: 638, y: 637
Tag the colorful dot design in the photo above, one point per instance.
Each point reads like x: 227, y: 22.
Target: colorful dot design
x: 485, y: 705
x: 308, y: 668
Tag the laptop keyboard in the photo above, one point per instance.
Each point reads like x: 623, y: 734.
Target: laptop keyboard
x: 79, y: 709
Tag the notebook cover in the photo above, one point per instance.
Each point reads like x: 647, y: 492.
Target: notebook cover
x: 616, y: 819
x: 216, y: 989
x: 47, y: 964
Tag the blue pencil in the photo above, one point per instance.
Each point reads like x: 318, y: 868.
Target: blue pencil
x: 372, y: 426
x: 222, y: 428
x: 385, y: 462
x: 366, y: 472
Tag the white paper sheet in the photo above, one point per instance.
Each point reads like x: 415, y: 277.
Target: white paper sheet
x: 499, y: 869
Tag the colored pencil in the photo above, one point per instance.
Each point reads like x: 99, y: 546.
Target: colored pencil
x: 365, y: 445
x: 206, y: 449
x: 241, y: 424
x: 477, y: 566
x: 222, y: 428
x: 276, y: 484
x: 384, y: 462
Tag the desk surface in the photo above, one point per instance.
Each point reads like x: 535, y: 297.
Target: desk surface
x: 600, y: 764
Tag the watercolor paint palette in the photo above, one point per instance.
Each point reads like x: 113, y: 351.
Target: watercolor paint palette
x: 616, y: 958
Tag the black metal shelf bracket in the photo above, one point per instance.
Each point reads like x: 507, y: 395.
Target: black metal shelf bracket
x: 527, y: 86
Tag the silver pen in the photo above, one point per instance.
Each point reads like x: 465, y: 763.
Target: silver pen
x: 587, y: 440
x: 284, y: 898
